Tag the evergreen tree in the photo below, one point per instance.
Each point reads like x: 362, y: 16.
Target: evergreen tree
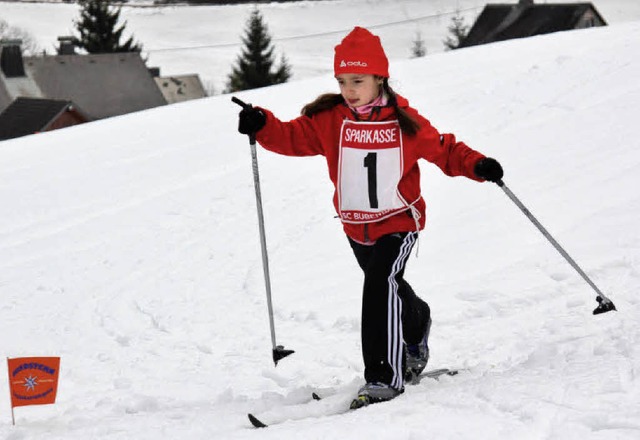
x: 254, y: 67
x: 98, y: 28
x: 418, y: 49
x: 458, y: 30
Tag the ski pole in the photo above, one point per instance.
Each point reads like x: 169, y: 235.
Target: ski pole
x: 604, y: 303
x: 279, y: 351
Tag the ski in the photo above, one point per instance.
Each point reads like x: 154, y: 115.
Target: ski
x: 414, y: 379
x: 311, y: 408
x: 256, y: 422
x: 335, y: 404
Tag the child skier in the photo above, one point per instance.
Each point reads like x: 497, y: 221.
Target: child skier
x: 372, y: 140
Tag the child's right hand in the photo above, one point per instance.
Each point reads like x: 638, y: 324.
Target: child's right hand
x: 251, y: 120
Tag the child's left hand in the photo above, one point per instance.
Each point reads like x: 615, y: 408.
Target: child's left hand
x: 489, y: 169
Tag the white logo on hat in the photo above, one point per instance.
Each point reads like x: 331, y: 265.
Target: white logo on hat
x: 353, y: 64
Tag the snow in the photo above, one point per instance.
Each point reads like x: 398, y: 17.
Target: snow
x: 130, y: 248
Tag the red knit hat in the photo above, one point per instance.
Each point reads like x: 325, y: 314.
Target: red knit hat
x: 361, y: 52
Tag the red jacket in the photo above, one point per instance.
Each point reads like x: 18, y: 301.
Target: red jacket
x: 321, y: 134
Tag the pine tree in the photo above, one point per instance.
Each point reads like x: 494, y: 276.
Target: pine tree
x: 98, y: 28
x: 418, y: 49
x: 458, y: 30
x: 254, y: 67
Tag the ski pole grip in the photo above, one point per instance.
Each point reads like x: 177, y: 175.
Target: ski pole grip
x: 245, y: 106
x: 241, y: 103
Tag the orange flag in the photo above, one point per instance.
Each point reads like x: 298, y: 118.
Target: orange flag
x: 33, y: 380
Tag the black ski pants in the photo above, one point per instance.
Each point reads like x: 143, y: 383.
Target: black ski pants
x: 391, y: 311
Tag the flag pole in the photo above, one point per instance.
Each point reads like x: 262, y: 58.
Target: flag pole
x: 13, y: 417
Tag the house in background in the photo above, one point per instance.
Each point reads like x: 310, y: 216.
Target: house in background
x: 180, y: 88
x: 94, y: 86
x: 26, y: 116
x: 499, y: 22
x: 102, y: 85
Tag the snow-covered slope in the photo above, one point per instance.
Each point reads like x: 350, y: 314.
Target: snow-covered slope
x: 130, y: 248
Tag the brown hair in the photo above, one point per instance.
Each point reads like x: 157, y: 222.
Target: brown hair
x: 329, y: 100
x: 322, y: 103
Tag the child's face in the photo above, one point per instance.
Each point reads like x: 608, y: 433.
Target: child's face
x: 359, y: 89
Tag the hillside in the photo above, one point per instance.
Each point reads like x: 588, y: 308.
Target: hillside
x: 129, y: 247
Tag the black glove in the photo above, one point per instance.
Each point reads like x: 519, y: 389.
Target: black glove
x: 488, y: 169
x: 251, y: 120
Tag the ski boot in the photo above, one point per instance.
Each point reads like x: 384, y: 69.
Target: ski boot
x: 373, y: 393
x: 417, y: 356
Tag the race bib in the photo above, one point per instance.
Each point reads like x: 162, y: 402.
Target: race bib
x: 370, y: 169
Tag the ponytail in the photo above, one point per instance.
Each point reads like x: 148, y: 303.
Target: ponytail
x: 408, y: 125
